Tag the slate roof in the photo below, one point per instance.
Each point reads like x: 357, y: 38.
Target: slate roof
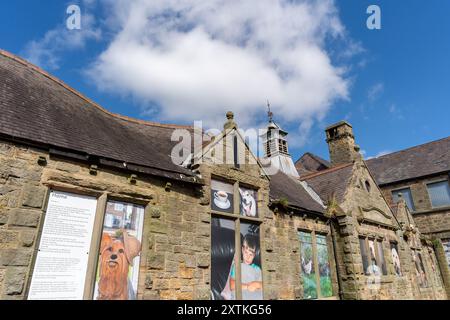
x: 36, y: 107
x: 309, y: 163
x: 334, y: 180
x: 284, y: 186
x: 423, y: 160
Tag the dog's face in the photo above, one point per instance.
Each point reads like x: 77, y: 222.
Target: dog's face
x: 248, y: 203
x: 247, y: 197
x: 113, y: 256
x: 116, y: 257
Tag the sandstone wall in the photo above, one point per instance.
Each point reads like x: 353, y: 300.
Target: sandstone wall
x: 430, y: 220
x: 176, y: 243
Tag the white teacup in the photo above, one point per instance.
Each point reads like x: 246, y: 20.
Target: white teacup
x: 221, y: 196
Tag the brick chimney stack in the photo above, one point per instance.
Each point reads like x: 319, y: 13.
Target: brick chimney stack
x: 341, y: 143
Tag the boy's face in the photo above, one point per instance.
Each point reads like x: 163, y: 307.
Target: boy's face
x: 248, y: 253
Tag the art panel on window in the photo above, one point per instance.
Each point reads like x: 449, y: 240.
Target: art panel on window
x: 364, y: 256
x: 324, y: 267
x: 446, y: 245
x: 420, y: 270
x: 249, y: 202
x: 307, y: 266
x: 396, y: 259
x: 222, y: 196
x: 381, y: 261
x: 120, y: 249
x: 222, y: 258
x: 434, y: 267
x: 251, y: 272
x: 373, y: 268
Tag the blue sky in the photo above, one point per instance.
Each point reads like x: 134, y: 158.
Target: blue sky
x: 392, y: 84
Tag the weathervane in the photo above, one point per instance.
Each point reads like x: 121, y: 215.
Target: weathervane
x: 269, y: 113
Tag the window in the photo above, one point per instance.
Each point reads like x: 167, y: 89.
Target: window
x: 381, y: 261
x: 373, y: 268
x: 324, y: 266
x: 333, y: 133
x: 222, y: 196
x: 315, y: 266
x: 81, y: 257
x: 236, y: 271
x: 420, y: 269
x: 118, y: 206
x: 406, y: 195
x: 434, y: 268
x: 119, y: 254
x: 372, y: 257
x: 396, y: 259
x: 439, y: 194
x: 236, y: 152
x: 446, y: 245
x: 364, y: 256
x: 368, y: 186
x: 248, y: 204
x: 268, y: 144
x: 282, y: 146
x: 308, y: 266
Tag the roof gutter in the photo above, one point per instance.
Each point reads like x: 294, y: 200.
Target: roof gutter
x: 297, y: 209
x: 84, y: 157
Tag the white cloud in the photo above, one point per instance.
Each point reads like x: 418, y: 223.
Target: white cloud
x: 379, y: 154
x: 375, y: 92
x: 363, y: 152
x: 46, y: 52
x: 396, y: 112
x: 197, y: 59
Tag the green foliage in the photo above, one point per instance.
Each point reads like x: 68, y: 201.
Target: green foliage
x: 309, y: 286
x: 436, y: 243
x: 325, y: 287
x: 284, y: 202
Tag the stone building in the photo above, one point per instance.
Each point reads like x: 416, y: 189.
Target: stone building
x: 94, y: 205
x: 421, y: 176
x: 53, y: 139
x: 369, y: 231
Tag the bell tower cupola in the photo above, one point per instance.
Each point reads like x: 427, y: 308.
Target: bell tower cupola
x: 275, y: 144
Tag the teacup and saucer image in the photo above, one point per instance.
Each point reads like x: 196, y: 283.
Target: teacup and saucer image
x: 221, y: 200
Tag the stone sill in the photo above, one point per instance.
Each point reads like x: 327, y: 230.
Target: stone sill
x: 329, y: 298
x: 434, y: 210
x: 384, y: 279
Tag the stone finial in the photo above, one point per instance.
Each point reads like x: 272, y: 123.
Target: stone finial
x: 230, y: 124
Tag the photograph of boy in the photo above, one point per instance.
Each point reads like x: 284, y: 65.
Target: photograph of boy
x: 251, y: 275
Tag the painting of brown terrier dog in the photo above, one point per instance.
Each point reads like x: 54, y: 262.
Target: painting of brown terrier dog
x: 116, y: 256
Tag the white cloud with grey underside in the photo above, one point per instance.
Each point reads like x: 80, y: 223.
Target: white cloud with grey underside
x: 196, y: 59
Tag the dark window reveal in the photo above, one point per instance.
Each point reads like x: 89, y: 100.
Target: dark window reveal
x: 236, y: 152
